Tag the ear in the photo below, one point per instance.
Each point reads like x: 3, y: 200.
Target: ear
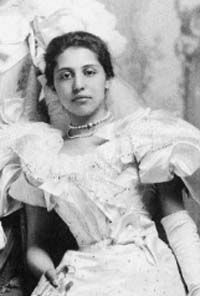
x: 107, y: 84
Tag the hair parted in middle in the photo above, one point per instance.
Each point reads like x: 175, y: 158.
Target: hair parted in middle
x: 76, y: 39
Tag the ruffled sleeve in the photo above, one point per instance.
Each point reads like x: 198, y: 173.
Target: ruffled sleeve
x: 164, y: 146
x: 26, y: 149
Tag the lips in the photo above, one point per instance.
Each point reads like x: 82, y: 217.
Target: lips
x: 81, y: 98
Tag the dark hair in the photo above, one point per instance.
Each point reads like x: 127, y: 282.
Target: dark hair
x: 76, y: 39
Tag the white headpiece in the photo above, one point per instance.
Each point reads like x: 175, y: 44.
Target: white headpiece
x: 77, y: 15
x: 12, y: 37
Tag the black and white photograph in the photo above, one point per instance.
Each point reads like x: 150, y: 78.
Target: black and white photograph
x: 99, y: 147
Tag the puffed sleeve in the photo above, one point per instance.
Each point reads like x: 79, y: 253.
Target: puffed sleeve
x: 165, y: 146
x: 24, y: 191
x: 26, y: 151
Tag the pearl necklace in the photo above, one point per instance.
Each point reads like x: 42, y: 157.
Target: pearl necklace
x: 90, y: 124
x: 87, y: 126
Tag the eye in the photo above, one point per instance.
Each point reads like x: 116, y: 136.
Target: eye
x: 89, y: 72
x: 67, y: 75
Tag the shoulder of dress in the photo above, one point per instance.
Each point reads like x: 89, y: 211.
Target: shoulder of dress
x: 20, y: 129
x: 35, y: 144
x: 118, y: 127
x: 160, y: 127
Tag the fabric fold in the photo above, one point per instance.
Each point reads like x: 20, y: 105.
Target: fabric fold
x: 157, y: 142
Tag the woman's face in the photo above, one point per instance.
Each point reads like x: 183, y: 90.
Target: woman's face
x: 80, y: 81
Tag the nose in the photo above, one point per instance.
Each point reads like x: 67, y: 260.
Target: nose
x: 79, y: 83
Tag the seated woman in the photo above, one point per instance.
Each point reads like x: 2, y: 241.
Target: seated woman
x: 96, y: 178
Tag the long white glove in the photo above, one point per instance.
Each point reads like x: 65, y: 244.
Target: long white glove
x: 185, y: 242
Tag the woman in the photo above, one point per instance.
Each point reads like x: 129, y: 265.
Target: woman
x: 96, y: 181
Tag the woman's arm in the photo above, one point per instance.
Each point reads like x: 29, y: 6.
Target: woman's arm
x: 182, y: 233
x: 170, y: 196
x: 38, y: 258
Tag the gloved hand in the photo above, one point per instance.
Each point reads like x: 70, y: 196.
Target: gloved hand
x: 54, y: 282
x: 52, y: 277
x: 184, y: 240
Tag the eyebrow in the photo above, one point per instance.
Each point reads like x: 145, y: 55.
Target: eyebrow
x: 71, y: 69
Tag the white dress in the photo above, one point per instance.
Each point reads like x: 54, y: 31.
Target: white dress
x: 99, y: 195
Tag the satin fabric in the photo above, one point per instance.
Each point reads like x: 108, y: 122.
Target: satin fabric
x: 99, y: 195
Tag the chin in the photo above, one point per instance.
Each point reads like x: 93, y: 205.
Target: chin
x: 83, y: 112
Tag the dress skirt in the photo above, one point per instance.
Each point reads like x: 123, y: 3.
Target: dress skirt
x: 105, y: 269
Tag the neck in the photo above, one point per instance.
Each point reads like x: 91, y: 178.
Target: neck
x: 81, y: 120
